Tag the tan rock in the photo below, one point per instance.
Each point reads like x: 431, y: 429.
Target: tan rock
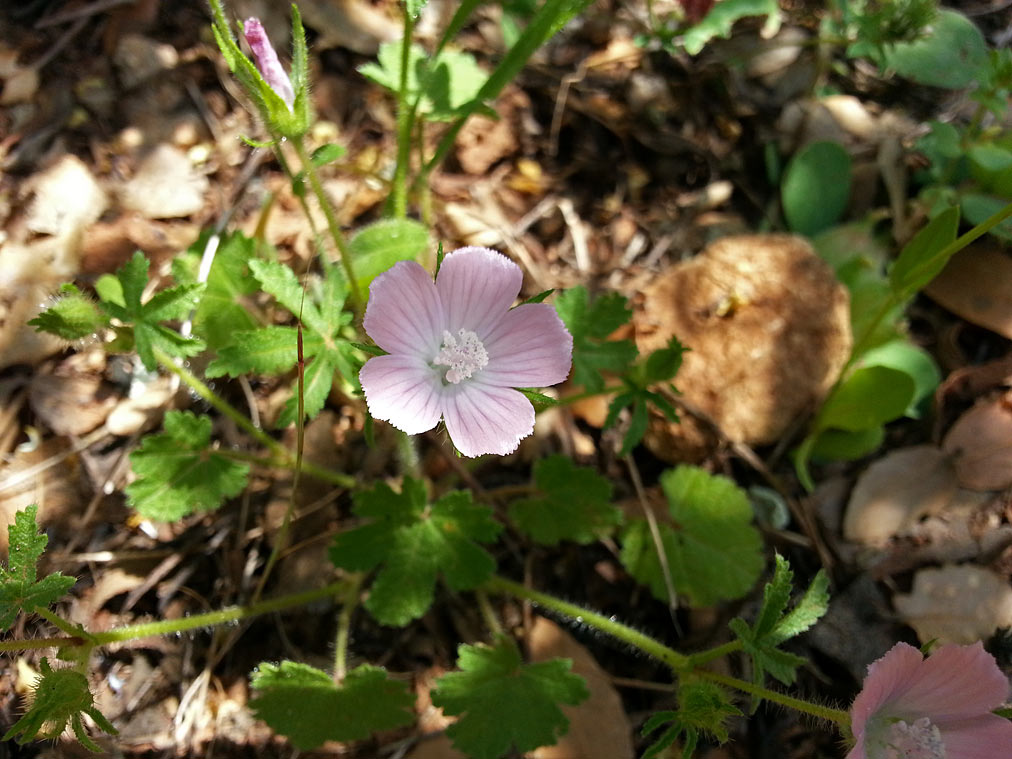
x: 768, y: 326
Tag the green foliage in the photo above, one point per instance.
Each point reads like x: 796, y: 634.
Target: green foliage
x: 273, y: 349
x: 819, y: 170
x: 953, y: 55
x: 412, y: 542
x: 721, y: 18
x: 178, y: 472
x: 220, y: 311
x: 659, y: 366
x: 20, y: 588
x: 73, y: 316
x: 121, y: 299
x: 504, y: 704
x: 280, y: 119
x: 590, y: 323
x: 572, y: 503
x: 703, y: 708
x: 308, y: 707
x: 775, y: 624
x: 924, y: 257
x: 59, y: 696
x: 913, y: 361
x: 442, y: 86
x: 713, y: 552
x: 380, y: 245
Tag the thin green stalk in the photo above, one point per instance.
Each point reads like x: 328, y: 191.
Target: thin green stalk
x: 487, y: 612
x: 344, y: 626
x: 705, y: 657
x: 75, y: 631
x: 405, y: 122
x: 34, y: 644
x: 611, y: 390
x: 332, y: 226
x: 219, y: 617
x: 172, y: 626
x: 285, y: 457
x: 676, y: 661
x: 218, y: 402
x: 840, y: 717
x: 268, y: 462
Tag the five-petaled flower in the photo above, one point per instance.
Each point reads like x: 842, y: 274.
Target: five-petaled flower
x: 934, y: 708
x: 456, y: 350
x: 267, y: 61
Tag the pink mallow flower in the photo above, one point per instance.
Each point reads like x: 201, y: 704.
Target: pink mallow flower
x: 267, y: 61
x: 934, y: 708
x: 456, y: 350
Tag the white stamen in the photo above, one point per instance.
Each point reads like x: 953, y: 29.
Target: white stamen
x: 464, y: 354
x: 919, y: 740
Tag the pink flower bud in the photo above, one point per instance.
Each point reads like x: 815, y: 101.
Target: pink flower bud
x: 267, y: 61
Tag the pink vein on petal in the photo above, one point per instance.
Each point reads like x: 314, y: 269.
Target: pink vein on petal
x: 402, y: 390
x: 404, y: 314
x: 954, y: 682
x: 529, y: 347
x: 477, y: 286
x: 484, y: 419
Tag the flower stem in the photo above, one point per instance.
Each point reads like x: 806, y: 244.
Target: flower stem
x: 487, y: 612
x: 332, y: 226
x: 676, y: 661
x: 704, y: 657
x: 284, y: 456
x: 405, y: 121
x: 171, y: 626
x: 75, y: 631
x: 344, y: 626
x: 219, y: 617
x: 840, y: 717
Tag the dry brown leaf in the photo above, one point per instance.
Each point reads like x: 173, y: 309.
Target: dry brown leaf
x: 974, y: 285
x: 956, y: 604
x: 166, y: 185
x: 768, y: 326
x: 980, y: 444
x: 71, y: 405
x: 598, y: 728
x: 896, y: 491
x: 66, y: 198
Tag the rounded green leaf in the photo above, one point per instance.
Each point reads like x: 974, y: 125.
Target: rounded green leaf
x: 914, y: 361
x: 868, y: 398
x: 951, y: 54
x: 379, y: 246
x: 816, y: 188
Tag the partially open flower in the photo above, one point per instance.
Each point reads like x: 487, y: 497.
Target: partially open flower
x: 267, y: 61
x: 934, y: 708
x: 457, y: 350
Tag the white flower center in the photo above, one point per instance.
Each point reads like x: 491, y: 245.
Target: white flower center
x: 919, y: 740
x: 464, y: 354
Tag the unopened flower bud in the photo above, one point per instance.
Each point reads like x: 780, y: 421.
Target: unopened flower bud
x: 267, y: 61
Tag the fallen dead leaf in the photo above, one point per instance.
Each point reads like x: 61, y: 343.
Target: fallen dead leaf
x: 166, y: 186
x: 980, y: 444
x: 71, y: 405
x: 135, y: 414
x: 956, y: 604
x: 896, y: 491
x: 598, y: 728
x: 66, y: 198
x: 974, y: 285
x: 747, y: 307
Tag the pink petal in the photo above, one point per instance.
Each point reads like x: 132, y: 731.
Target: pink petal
x: 477, y: 287
x: 887, y: 678
x: 954, y: 682
x: 858, y: 751
x: 486, y: 419
x: 529, y: 347
x: 986, y: 737
x: 404, y: 314
x: 267, y: 61
x: 402, y: 390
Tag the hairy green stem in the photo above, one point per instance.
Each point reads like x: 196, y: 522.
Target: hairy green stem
x: 487, y: 612
x: 351, y: 596
x: 332, y: 226
x: 676, y: 661
x: 75, y: 631
x: 405, y: 122
x: 267, y: 462
x: 704, y: 657
x: 611, y: 390
x: 285, y: 457
x: 172, y: 626
x: 840, y: 717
